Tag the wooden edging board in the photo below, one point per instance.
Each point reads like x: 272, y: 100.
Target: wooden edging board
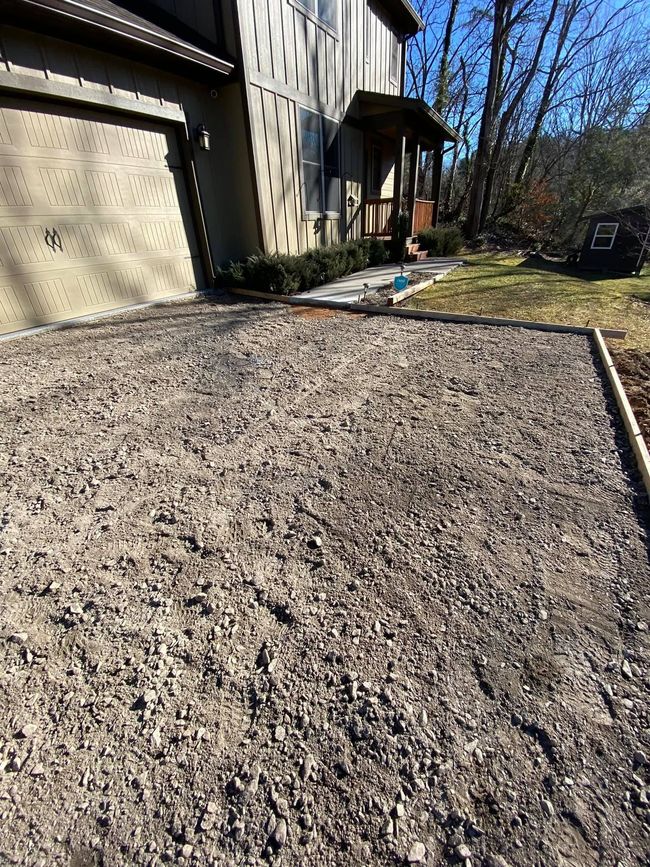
x: 634, y: 434
x: 439, y: 316
x: 398, y: 297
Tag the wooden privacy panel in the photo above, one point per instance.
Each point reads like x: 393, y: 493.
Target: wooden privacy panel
x: 94, y: 214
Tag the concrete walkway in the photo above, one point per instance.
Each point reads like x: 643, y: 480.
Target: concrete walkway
x: 351, y: 287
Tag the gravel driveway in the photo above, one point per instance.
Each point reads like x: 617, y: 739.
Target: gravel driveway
x: 304, y: 587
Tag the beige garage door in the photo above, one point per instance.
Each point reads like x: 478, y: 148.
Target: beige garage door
x: 94, y: 214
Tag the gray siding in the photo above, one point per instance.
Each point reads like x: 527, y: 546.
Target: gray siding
x: 284, y: 43
x: 223, y: 174
x: 291, y: 59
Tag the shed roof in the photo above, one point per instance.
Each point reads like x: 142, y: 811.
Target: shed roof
x: 633, y: 210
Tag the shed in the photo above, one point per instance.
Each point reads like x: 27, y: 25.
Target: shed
x: 617, y: 240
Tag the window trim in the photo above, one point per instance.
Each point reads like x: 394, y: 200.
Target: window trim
x: 394, y: 79
x: 318, y: 215
x: 595, y: 246
x: 313, y: 16
x: 367, y: 28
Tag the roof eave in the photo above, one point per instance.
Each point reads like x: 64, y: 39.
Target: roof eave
x: 405, y: 16
x: 414, y: 106
x: 433, y: 114
x: 137, y: 35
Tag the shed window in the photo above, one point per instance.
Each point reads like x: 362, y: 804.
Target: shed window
x: 604, y: 236
x: 321, y: 176
x: 325, y: 10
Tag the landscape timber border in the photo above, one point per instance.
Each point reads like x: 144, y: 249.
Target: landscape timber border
x: 632, y: 429
x: 634, y: 434
x: 469, y: 319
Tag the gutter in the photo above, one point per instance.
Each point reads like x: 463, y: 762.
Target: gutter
x: 80, y: 13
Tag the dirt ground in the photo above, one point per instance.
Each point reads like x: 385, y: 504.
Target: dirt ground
x: 633, y: 367
x: 280, y: 587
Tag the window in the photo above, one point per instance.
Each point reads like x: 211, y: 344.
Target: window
x: 604, y: 236
x: 394, y: 57
x: 375, y: 169
x: 321, y: 181
x: 325, y: 10
x: 366, y: 34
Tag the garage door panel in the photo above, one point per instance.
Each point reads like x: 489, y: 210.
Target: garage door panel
x: 15, y: 309
x: 5, y: 136
x: 14, y: 192
x: 23, y: 245
x: 54, y: 296
x: 54, y: 133
x: 93, y: 214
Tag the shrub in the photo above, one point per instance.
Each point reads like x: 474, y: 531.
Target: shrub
x: 444, y: 241
x: 285, y: 275
x: 377, y: 254
x: 398, y: 245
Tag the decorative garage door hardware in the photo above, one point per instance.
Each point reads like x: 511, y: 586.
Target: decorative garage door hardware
x: 53, y: 239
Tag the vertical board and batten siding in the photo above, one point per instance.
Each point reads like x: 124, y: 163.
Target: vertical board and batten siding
x: 290, y: 60
x: 223, y: 174
x: 277, y: 156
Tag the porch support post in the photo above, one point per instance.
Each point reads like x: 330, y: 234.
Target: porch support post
x: 398, y: 180
x: 436, y: 182
x: 414, y: 171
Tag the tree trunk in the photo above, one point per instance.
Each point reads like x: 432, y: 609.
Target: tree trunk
x: 483, y: 147
x: 547, y: 94
x: 454, y: 160
x: 442, y: 94
x: 507, y: 116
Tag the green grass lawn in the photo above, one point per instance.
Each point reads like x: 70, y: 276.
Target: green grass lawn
x: 506, y: 285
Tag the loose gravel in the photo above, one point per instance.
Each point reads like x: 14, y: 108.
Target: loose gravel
x: 287, y: 586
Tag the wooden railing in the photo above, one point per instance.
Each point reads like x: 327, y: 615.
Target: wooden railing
x: 422, y: 215
x: 378, y: 217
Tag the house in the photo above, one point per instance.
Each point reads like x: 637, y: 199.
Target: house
x: 144, y: 142
x: 617, y: 240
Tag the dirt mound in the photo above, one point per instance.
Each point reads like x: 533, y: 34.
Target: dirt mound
x: 633, y: 367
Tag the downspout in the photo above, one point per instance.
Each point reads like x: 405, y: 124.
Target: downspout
x: 402, y: 83
x: 244, y: 85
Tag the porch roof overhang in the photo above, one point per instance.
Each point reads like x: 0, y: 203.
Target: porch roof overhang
x: 104, y: 24
x: 388, y: 114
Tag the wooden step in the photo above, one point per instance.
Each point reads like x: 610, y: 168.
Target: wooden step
x: 417, y: 256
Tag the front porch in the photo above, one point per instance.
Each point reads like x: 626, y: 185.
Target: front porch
x: 409, y: 128
x: 378, y: 216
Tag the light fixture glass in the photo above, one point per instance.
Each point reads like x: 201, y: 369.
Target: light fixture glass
x: 203, y: 137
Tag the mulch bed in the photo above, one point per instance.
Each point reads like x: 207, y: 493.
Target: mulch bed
x: 633, y: 367
x: 380, y: 295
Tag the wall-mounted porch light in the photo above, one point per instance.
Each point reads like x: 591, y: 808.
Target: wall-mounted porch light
x: 203, y: 137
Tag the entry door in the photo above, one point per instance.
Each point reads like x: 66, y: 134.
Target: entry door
x: 94, y: 214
